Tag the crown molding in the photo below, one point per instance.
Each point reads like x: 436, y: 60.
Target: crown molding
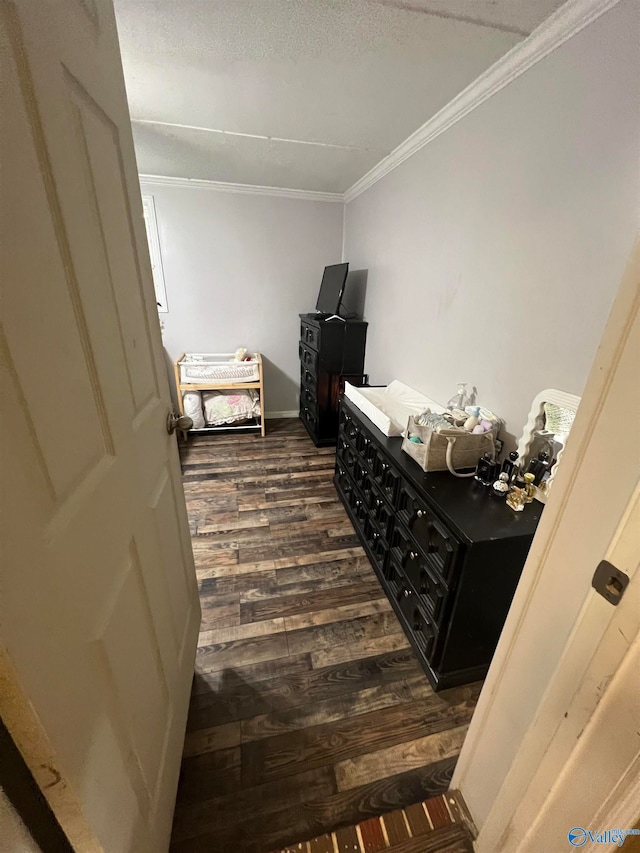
x: 242, y: 189
x: 569, y: 20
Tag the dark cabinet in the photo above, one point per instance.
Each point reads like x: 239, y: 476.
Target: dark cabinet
x: 331, y: 352
x: 448, y: 555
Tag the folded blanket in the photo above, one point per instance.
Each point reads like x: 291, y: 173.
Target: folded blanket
x: 227, y: 407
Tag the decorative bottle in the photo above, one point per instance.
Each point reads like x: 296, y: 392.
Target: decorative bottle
x: 516, y: 499
x: 473, y: 419
x: 518, y: 478
x: 529, y: 487
x: 485, y: 470
x: 461, y: 399
x: 500, y: 488
x: 509, y: 465
x: 538, y: 467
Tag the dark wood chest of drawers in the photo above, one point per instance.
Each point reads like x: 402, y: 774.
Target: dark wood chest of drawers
x: 449, y: 556
x: 331, y: 352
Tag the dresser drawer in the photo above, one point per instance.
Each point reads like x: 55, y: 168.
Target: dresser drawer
x: 308, y: 358
x: 307, y: 377
x: 428, y: 533
x: 423, y: 630
x: 363, y: 481
x: 308, y: 398
x: 310, y: 335
x: 377, y: 543
x: 343, y: 480
x: 346, y: 456
x: 351, y: 429
x: 379, y: 510
x: 358, y: 507
x: 342, y: 450
x: 367, y: 449
x: 385, y: 475
x: 309, y: 417
x: 344, y: 419
x: 420, y: 574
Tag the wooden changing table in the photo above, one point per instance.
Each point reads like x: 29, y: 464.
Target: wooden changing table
x: 212, y: 385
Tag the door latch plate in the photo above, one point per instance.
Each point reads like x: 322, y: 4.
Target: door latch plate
x: 610, y: 582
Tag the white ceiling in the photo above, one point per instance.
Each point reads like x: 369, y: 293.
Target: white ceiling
x: 306, y: 94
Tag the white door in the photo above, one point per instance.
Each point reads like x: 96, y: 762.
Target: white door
x: 587, y: 780
x: 564, y: 680
x: 99, y: 611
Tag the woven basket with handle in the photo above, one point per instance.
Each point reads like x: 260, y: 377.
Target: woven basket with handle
x: 448, y: 450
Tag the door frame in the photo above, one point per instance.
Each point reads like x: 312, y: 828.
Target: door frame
x: 24, y: 794
x: 511, y: 782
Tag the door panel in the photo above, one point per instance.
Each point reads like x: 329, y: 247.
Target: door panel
x: 97, y: 136
x: 143, y: 686
x: 99, y: 610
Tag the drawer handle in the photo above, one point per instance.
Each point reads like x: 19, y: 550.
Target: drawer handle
x: 378, y: 502
x: 406, y: 593
x: 376, y: 536
x: 384, y: 466
x: 413, y: 555
x: 367, y: 441
x: 420, y: 513
x: 358, y: 503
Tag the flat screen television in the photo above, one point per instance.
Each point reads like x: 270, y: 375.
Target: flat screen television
x: 332, y: 288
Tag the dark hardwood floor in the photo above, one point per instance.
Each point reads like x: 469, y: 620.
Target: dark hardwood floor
x: 309, y: 711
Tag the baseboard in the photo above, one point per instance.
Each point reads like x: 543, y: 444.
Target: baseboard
x: 291, y: 414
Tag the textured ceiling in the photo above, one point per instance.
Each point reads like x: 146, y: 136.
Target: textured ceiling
x: 306, y: 94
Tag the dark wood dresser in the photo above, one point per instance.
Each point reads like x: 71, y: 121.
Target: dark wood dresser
x: 331, y: 352
x: 448, y: 555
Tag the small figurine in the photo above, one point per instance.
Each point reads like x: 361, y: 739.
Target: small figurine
x: 500, y: 488
x: 529, y: 487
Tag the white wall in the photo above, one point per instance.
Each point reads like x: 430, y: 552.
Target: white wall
x: 494, y: 253
x: 238, y: 271
x: 14, y: 835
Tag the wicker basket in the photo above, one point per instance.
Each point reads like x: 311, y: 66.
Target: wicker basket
x: 448, y: 450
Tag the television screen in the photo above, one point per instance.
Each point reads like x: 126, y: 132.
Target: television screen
x: 332, y: 288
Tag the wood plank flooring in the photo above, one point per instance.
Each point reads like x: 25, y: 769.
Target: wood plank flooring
x: 437, y: 825
x: 309, y: 711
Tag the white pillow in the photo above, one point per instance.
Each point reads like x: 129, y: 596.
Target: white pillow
x: 192, y: 402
